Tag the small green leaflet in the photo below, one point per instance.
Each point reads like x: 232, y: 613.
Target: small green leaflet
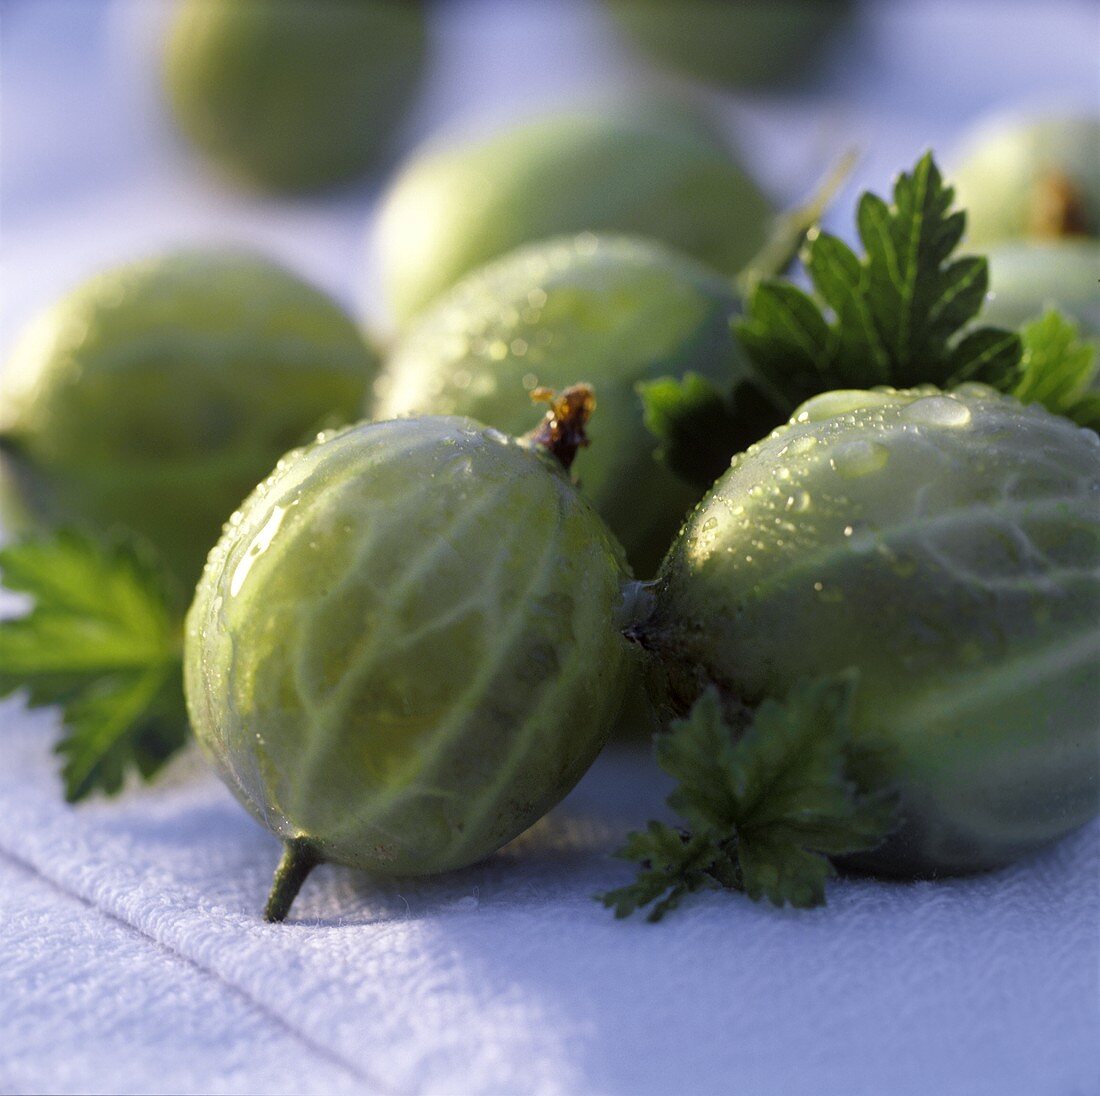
x: 895, y: 317
x: 900, y: 315
x: 765, y: 811
x: 699, y: 426
x: 101, y: 642
x: 1059, y: 370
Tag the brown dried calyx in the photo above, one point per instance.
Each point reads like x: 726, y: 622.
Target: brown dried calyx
x: 561, y: 432
x: 1058, y: 208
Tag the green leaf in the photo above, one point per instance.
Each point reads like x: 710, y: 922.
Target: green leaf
x: 673, y: 865
x: 695, y: 423
x: 766, y: 806
x: 989, y: 355
x: 102, y: 642
x: 783, y: 872
x: 897, y: 315
x: 1058, y: 369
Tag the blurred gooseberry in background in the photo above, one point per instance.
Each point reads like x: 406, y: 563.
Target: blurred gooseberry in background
x: 154, y: 396
x: 736, y: 43
x: 648, y: 169
x: 293, y: 95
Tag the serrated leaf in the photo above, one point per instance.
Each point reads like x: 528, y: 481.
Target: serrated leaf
x: 783, y: 872
x: 100, y: 641
x: 989, y: 355
x: 789, y: 765
x: 859, y: 356
x: 673, y: 866
x: 1058, y: 368
x: 789, y: 341
x: 766, y: 806
x: 695, y: 423
x: 897, y: 315
x: 699, y: 753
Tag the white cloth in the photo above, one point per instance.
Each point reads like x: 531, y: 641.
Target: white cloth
x: 132, y: 956
x: 133, y: 943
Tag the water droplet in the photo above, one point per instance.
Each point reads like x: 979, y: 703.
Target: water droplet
x: 831, y: 405
x: 802, y: 444
x: 859, y: 458
x: 936, y: 411
x: 827, y: 594
x: 259, y: 545
x: 860, y: 537
x: 798, y: 502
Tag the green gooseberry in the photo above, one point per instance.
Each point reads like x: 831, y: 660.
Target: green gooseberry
x: 747, y: 43
x: 947, y: 547
x: 406, y: 647
x: 610, y: 310
x: 293, y: 95
x: 156, y: 395
x: 655, y: 173
x: 1029, y: 276
x: 1032, y: 179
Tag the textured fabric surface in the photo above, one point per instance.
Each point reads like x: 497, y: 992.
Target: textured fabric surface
x: 134, y: 946
x: 132, y: 956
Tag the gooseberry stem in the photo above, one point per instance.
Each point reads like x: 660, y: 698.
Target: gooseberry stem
x: 1057, y: 208
x: 300, y: 857
x: 790, y: 228
x: 561, y: 432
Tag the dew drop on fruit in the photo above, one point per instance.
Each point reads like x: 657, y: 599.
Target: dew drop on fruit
x: 859, y: 536
x: 936, y: 411
x: 798, y: 502
x: 860, y: 458
x: 256, y: 549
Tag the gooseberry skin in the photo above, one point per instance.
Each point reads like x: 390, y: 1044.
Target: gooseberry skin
x: 293, y: 95
x: 454, y: 209
x: 750, y: 43
x: 405, y: 648
x: 1013, y: 170
x: 946, y: 546
x: 157, y: 394
x: 1029, y: 276
x: 610, y: 310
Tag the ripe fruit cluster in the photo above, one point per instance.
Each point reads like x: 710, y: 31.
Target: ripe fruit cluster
x: 413, y: 637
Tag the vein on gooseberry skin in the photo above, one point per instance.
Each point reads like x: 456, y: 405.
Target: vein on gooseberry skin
x: 766, y: 807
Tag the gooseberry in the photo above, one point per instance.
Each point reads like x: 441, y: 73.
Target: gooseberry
x: 156, y: 395
x: 652, y: 173
x: 1029, y: 276
x: 406, y: 646
x: 611, y: 310
x: 293, y: 94
x: 747, y: 43
x: 946, y: 547
x: 1031, y: 179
